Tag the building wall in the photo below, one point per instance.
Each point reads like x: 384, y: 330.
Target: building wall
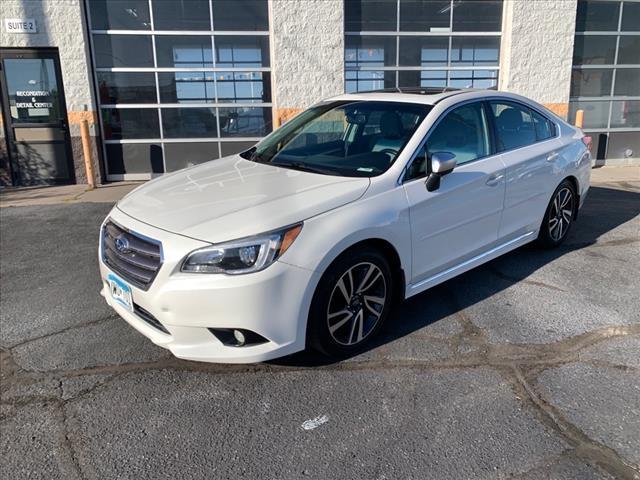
x: 307, y: 52
x: 537, y: 50
x: 60, y: 24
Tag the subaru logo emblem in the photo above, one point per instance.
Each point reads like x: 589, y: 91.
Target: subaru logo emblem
x: 122, y: 244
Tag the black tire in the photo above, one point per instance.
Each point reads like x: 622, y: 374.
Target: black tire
x: 326, y: 331
x: 559, y: 216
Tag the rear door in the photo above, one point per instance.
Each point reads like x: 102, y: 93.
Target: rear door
x: 461, y: 218
x: 529, y: 148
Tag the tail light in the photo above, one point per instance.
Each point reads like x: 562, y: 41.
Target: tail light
x: 587, y: 141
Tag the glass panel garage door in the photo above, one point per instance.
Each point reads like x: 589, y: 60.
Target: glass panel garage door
x: 605, y: 80
x: 422, y: 43
x: 180, y: 82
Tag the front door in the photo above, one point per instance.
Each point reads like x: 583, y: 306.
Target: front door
x: 35, y: 117
x: 461, y: 218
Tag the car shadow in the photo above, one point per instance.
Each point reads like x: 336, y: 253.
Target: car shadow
x: 604, y: 210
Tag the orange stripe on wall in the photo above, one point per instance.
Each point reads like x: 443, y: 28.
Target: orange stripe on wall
x: 560, y: 109
x: 282, y: 115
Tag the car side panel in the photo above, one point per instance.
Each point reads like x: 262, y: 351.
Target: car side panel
x: 530, y: 173
x: 459, y: 219
x: 381, y: 216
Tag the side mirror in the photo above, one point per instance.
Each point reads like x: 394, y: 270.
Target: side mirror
x: 442, y: 163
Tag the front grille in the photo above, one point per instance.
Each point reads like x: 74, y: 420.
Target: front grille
x: 150, y: 319
x: 136, y: 258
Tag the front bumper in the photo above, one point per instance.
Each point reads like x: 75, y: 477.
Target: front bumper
x: 273, y: 303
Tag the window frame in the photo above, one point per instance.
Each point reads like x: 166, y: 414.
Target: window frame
x: 449, y: 33
x: 213, y: 36
x: 556, y: 128
x: 490, y: 131
x: 493, y: 133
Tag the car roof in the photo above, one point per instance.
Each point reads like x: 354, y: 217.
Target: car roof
x: 426, y: 95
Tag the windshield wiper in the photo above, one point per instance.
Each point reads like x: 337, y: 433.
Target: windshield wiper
x: 303, y: 167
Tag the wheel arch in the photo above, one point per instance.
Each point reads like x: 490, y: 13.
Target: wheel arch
x: 576, y: 187
x: 391, y: 254
x: 382, y: 245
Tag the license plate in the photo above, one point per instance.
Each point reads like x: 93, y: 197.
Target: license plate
x: 120, y: 292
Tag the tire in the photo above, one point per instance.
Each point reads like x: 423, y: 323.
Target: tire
x: 351, y: 303
x: 559, y: 216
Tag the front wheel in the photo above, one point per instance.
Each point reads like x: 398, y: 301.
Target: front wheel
x: 559, y: 216
x: 351, y: 302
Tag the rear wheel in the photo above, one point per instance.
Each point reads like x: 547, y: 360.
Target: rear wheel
x: 559, y: 216
x: 351, y: 302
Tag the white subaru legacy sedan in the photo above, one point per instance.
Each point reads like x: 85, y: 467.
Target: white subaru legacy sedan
x: 309, y: 238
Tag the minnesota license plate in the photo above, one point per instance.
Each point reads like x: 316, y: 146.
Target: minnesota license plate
x: 120, y: 291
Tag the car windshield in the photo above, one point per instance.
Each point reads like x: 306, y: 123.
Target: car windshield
x: 347, y: 138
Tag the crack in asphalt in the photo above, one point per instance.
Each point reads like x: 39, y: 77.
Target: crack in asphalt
x: 585, y: 448
x: 90, y: 323
x: 519, y: 364
x: 527, y: 281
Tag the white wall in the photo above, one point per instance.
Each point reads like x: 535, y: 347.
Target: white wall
x: 537, y: 50
x: 307, y: 52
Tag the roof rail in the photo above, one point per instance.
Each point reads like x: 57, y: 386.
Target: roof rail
x: 414, y: 90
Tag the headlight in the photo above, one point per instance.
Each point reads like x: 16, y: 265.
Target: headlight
x: 242, y: 256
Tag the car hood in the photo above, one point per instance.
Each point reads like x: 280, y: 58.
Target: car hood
x: 233, y: 198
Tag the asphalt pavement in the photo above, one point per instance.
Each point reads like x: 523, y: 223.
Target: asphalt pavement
x: 527, y: 367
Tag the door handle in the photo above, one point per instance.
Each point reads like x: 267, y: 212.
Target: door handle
x: 494, y: 180
x: 552, y: 157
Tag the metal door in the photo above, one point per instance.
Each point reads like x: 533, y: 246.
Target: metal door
x: 35, y: 117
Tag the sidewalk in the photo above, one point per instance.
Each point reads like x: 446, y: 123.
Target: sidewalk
x: 112, y: 192
x: 109, y: 193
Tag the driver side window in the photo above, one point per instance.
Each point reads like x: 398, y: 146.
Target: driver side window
x: 464, y: 132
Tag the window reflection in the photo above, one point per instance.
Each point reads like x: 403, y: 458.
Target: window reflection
x: 421, y: 16
x: 370, y: 52
x: 466, y: 51
x: 245, y: 122
x: 184, y: 51
x: 423, y: 78
x: 591, y: 50
x: 181, y: 15
x: 236, y: 15
x: 370, y: 15
x: 243, y: 87
x: 130, y: 123
x: 422, y: 40
x: 365, y: 80
x: 186, y: 87
x: 424, y: 51
x: 242, y: 51
x: 123, y: 51
x: 120, y: 14
x: 189, y: 123
x: 473, y: 78
x: 126, y: 87
x: 593, y: 82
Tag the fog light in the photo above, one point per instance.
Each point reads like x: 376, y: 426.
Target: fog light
x: 239, y: 336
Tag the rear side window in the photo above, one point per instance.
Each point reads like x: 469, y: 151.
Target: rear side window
x: 544, y: 127
x: 514, y: 125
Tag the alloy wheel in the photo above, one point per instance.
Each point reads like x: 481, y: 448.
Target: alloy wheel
x: 356, y: 303
x: 561, y: 214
